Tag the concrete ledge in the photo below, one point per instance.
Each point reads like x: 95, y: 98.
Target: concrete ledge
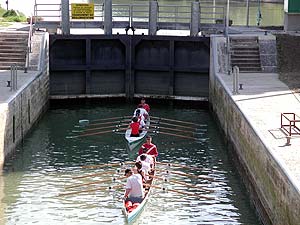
x: 272, y: 179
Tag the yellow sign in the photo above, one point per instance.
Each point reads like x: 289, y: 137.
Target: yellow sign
x: 82, y: 11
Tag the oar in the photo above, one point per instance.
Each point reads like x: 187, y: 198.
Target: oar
x: 94, y: 174
x: 180, y: 192
x: 95, y: 182
x: 97, y: 133
x: 91, y: 134
x: 101, y: 166
x: 179, y: 165
x: 181, y: 183
x: 101, y: 128
x: 179, y: 121
x: 91, y: 190
x: 176, y: 135
x: 173, y: 129
x: 188, y: 175
x: 80, y: 185
x: 111, y: 118
x: 97, y: 124
x: 176, y: 125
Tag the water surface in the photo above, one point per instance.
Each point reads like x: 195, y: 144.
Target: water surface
x: 46, y: 162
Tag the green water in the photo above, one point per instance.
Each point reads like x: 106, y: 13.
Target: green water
x: 48, y: 160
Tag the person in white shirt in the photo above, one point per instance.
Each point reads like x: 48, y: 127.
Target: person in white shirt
x: 148, y: 158
x: 142, y: 112
x: 134, y: 187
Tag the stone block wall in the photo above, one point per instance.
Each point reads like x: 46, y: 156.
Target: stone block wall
x: 275, y: 198
x: 23, y: 110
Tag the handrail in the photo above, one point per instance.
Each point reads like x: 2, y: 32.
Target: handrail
x: 135, y: 13
x: 28, y: 51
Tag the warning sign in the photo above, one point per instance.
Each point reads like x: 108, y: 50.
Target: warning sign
x: 82, y: 11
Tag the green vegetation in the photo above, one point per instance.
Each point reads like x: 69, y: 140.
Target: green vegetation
x: 11, y: 16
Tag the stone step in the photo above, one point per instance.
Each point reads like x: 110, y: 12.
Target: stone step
x: 12, y: 54
x: 12, y: 59
x: 246, y: 64
x: 241, y: 61
x: 245, y: 55
x: 246, y: 47
x: 10, y: 48
x: 250, y: 69
x: 244, y: 42
x: 7, y: 65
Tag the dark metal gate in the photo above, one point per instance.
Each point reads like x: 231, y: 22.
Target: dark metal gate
x: 88, y: 66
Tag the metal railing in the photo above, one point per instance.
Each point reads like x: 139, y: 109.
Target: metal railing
x: 137, y: 15
x: 289, y: 123
x: 28, y: 50
x: 13, y: 77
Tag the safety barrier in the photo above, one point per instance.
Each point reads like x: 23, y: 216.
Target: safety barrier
x: 289, y: 122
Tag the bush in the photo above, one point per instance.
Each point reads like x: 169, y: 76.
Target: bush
x: 10, y: 13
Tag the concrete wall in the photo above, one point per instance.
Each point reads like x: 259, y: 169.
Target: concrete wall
x: 22, y: 111
x: 288, y: 59
x: 275, y: 198
x: 268, y: 53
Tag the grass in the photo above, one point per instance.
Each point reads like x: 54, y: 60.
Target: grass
x: 5, y: 21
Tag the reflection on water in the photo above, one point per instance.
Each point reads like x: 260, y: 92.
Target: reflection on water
x: 47, y: 163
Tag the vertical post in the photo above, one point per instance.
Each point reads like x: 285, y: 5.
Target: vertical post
x: 227, y: 38
x: 108, y: 17
x: 65, y: 17
x: 153, y: 11
x: 247, y: 8
x: 195, y: 12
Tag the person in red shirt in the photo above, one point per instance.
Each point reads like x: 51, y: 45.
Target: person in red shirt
x: 148, y: 148
x: 135, y: 127
x: 145, y: 105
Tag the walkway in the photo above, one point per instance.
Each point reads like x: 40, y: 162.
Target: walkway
x: 23, y: 79
x: 263, y: 98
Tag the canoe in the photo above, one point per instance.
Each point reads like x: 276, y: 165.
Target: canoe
x: 132, y: 214
x: 134, y: 143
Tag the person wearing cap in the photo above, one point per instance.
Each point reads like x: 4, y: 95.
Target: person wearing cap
x: 148, y: 148
x: 134, y: 186
x: 145, y: 105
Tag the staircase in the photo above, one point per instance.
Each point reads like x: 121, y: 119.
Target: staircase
x: 13, y: 46
x: 245, y: 54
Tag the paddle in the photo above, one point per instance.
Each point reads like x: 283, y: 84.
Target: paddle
x: 101, y: 128
x: 181, y: 183
x: 188, y: 175
x: 101, y: 166
x: 176, y: 125
x: 91, y: 134
x: 109, y: 164
x: 101, y: 132
x: 179, y: 121
x: 173, y: 129
x: 91, y: 190
x: 97, y: 124
x: 95, y: 174
x: 179, y: 165
x: 95, y: 182
x: 111, y: 118
x: 181, y: 192
x: 176, y: 135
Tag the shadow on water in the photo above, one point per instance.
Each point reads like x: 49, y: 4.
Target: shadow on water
x: 46, y: 163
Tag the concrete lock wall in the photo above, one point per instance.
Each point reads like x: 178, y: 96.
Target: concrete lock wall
x: 275, y: 198
x: 22, y: 111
